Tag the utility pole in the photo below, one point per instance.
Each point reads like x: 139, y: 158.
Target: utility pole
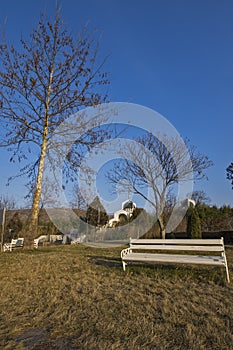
x: 2, y: 223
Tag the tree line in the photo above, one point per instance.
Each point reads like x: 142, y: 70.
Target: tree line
x: 200, y: 219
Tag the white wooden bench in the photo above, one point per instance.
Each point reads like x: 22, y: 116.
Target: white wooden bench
x: 15, y: 243
x: 202, y: 246
x: 40, y: 240
x: 46, y: 239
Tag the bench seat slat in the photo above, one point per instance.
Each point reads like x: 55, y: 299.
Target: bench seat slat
x: 176, y: 258
x: 179, y: 247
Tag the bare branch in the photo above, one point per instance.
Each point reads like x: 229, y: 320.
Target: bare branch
x: 152, y: 165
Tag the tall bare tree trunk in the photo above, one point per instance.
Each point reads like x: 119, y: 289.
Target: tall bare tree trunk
x: 162, y: 227
x: 33, y: 228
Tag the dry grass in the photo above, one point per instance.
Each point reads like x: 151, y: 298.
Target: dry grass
x: 79, y: 298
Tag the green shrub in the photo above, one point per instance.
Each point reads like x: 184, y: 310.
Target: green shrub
x: 193, y: 224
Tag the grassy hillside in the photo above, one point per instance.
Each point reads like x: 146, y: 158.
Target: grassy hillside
x: 76, y: 297
x: 24, y: 215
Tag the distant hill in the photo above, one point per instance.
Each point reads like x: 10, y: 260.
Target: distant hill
x: 24, y: 215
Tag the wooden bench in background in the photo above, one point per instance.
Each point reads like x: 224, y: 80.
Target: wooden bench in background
x: 138, y: 252
x: 14, y: 244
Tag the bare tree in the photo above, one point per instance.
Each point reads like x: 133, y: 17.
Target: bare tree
x: 78, y: 200
x: 7, y: 202
x: 200, y: 198
x: 153, y: 166
x: 52, y: 76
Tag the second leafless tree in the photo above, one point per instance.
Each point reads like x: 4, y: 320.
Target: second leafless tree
x: 153, y: 166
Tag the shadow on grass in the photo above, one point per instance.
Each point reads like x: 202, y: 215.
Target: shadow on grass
x: 116, y: 262
x: 173, y: 272
x: 39, y: 339
x: 105, y: 261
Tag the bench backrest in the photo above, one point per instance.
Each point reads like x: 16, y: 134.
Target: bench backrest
x: 214, y: 245
x: 15, y: 243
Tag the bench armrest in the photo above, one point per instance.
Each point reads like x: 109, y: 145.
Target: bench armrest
x: 125, y: 252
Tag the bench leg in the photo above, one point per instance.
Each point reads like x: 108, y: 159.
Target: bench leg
x: 124, y: 265
x: 225, y: 263
x: 227, y: 271
x: 7, y: 247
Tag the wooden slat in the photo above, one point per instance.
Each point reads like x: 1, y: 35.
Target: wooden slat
x: 178, y: 247
x: 178, y: 241
x: 169, y: 258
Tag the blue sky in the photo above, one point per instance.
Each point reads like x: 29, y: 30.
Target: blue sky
x: 175, y: 57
